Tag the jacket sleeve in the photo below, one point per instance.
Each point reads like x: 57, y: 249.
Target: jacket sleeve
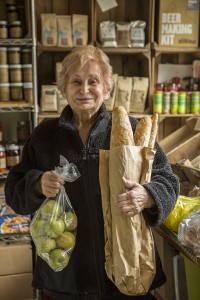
x: 163, y: 187
x: 19, y: 186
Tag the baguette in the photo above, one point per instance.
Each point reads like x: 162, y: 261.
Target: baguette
x: 154, y: 129
x: 143, y: 131
x: 121, y: 133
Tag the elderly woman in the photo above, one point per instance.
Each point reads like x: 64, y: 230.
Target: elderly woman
x: 83, y: 128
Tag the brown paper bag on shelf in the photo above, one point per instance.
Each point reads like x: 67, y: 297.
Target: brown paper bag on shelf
x: 129, y: 246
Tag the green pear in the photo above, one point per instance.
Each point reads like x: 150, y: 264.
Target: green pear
x: 56, y: 228
x: 66, y: 240
x: 45, y: 245
x: 70, y: 220
x: 58, y: 259
x: 50, y: 208
x: 38, y: 228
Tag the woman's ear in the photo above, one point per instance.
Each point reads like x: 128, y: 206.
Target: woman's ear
x: 106, y: 96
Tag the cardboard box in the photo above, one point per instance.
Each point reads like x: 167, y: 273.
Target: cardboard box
x: 16, y: 287
x: 191, y: 173
x: 178, y: 23
x: 16, y: 258
x: 182, y: 143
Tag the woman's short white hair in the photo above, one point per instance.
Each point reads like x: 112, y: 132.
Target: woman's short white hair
x: 79, y: 57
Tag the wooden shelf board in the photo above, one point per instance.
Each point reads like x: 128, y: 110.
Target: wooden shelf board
x: 176, y: 49
x: 5, y: 104
x: 108, y: 50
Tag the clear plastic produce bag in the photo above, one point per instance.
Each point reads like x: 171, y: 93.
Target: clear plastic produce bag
x: 54, y: 225
x: 189, y: 230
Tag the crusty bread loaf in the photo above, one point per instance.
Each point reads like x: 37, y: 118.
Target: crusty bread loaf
x: 154, y: 129
x: 121, y: 133
x: 143, y: 131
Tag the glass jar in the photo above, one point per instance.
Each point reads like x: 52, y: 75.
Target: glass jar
x: 27, y: 73
x: 2, y: 158
x: 23, y: 131
x: 26, y: 55
x: 4, y: 73
x: 12, y: 155
x: 3, y: 30
x: 3, y: 56
x: 15, y: 30
x: 16, y: 91
x: 14, y: 55
x: 4, y: 91
x: 15, y: 73
x: 12, y: 13
x: 28, y: 92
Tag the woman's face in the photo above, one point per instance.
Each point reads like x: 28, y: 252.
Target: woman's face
x: 85, y: 90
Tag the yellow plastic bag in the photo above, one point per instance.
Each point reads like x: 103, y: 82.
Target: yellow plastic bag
x: 183, y: 207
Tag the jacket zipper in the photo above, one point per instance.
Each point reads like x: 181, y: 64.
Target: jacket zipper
x: 85, y: 159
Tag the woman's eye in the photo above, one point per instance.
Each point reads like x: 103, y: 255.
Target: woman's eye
x: 93, y: 82
x: 76, y: 82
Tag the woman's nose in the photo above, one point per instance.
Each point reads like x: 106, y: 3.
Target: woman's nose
x: 84, y: 88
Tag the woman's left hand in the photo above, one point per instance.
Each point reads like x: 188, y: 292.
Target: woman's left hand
x: 135, y: 199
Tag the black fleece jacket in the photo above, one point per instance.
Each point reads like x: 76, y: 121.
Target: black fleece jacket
x: 85, y: 273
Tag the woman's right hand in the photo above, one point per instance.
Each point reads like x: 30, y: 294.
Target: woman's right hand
x: 49, y: 184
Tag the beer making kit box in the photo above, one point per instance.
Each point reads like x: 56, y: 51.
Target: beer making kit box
x: 178, y: 23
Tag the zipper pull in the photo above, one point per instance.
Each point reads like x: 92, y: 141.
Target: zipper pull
x: 84, y: 153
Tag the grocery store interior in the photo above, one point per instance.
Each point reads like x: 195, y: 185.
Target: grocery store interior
x: 154, y: 50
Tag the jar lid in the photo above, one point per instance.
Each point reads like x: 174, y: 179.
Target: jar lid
x: 26, y: 50
x: 7, y: 84
x: 28, y: 85
x: 4, y: 66
x: 3, y: 22
x: 16, y: 84
x: 12, y: 147
x: 27, y: 66
x: 21, y: 123
x: 14, y: 49
x: 3, y: 48
x: 18, y: 66
x: 11, y: 7
x: 16, y: 24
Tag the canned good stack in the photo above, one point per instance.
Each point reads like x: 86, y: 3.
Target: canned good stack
x: 16, y: 74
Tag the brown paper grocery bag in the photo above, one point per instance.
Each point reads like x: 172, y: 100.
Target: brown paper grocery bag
x: 129, y: 246
x: 105, y: 194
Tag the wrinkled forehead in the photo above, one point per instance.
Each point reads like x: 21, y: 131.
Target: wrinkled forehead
x: 91, y: 68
